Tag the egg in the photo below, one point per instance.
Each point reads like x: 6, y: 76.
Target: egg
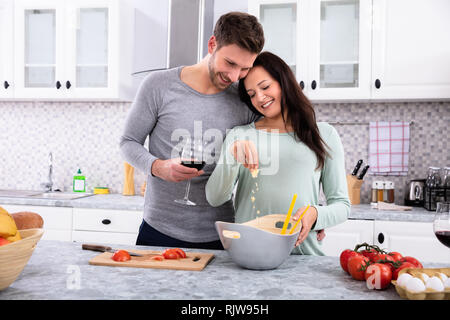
x: 403, y: 279
x: 447, y: 283
x: 442, y: 276
x: 435, y: 284
x: 424, y: 277
x: 415, y: 285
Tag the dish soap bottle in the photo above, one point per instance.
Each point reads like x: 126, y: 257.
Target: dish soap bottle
x: 79, y: 182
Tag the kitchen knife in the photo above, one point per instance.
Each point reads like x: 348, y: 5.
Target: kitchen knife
x: 363, y: 172
x: 358, y: 165
x: 94, y: 247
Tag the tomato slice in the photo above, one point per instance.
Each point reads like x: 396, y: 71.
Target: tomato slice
x: 180, y: 253
x: 170, y: 254
x: 158, y: 258
x: 121, y: 256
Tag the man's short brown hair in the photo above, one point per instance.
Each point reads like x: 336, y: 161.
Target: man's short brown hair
x: 241, y: 29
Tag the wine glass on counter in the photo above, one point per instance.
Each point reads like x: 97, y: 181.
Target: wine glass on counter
x: 192, y: 156
x: 441, y: 225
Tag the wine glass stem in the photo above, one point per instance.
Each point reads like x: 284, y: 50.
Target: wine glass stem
x: 188, y: 186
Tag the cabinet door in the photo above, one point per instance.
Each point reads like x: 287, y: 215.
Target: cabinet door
x: 109, y: 238
x: 39, y: 52
x: 346, y: 236
x: 285, y: 31
x: 6, y: 49
x: 414, y: 239
x: 340, y: 49
x: 411, y: 49
x: 92, y: 49
x: 107, y: 220
x: 57, y: 220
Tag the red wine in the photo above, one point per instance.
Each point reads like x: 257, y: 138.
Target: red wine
x: 443, y: 237
x: 196, y: 165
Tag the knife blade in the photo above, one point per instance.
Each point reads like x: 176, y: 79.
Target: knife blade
x: 363, y: 172
x: 99, y: 248
x: 358, y: 165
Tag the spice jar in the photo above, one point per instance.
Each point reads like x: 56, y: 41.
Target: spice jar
x: 380, y: 190
x: 374, y: 197
x: 389, y: 190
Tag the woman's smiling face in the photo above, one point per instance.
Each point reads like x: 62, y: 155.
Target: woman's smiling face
x: 264, y: 92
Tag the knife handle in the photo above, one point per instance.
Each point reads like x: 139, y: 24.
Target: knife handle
x: 94, y: 247
x: 358, y: 165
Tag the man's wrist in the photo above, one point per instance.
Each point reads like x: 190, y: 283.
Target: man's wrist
x: 155, y: 168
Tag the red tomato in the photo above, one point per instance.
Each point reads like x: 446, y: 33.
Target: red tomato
x: 378, y: 276
x: 357, y: 266
x: 3, y: 241
x: 397, y: 256
x: 180, y: 253
x: 170, y: 254
x: 412, y: 260
x: 345, y: 256
x: 402, y: 266
x: 121, y: 256
x: 384, y: 257
x: 371, y: 254
x: 158, y: 258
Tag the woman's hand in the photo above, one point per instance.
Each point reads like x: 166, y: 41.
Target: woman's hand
x: 244, y: 151
x: 307, y: 221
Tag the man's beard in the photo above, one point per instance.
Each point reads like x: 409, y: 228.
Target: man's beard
x: 213, y: 75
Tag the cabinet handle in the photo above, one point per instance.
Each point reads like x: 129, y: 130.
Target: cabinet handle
x: 313, y: 84
x: 6, y: 84
x: 380, y: 237
x: 68, y: 85
x: 106, y: 221
x: 302, y: 85
x: 378, y: 84
x: 58, y: 84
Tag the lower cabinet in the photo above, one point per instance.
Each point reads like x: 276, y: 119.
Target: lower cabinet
x: 106, y: 226
x: 414, y: 239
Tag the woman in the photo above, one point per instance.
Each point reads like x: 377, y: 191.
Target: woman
x: 283, y: 153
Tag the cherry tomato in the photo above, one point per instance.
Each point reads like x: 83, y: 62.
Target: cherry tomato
x: 378, y: 276
x: 397, y: 256
x: 180, y: 253
x: 412, y: 260
x: 402, y: 266
x: 158, y: 258
x: 170, y: 254
x: 345, y: 256
x: 371, y: 254
x: 357, y: 266
x: 121, y: 256
x: 3, y: 241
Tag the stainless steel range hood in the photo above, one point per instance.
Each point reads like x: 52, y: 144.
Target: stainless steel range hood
x: 187, y: 26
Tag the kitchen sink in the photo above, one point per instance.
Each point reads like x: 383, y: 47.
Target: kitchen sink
x: 60, y: 195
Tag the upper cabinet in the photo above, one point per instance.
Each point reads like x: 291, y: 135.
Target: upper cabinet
x: 6, y: 53
x: 72, y: 49
x: 361, y: 49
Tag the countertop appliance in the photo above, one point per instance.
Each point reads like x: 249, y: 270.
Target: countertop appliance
x: 414, y: 193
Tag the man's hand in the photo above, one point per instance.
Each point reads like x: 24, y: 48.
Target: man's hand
x: 307, y: 221
x: 172, y: 170
x: 244, y: 151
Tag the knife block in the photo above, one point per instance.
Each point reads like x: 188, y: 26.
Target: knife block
x: 128, y: 184
x: 354, y: 189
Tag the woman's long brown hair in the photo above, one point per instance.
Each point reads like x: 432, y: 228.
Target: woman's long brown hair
x: 298, y: 109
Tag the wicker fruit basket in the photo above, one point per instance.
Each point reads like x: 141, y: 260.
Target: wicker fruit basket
x: 428, y: 294
x: 15, y: 256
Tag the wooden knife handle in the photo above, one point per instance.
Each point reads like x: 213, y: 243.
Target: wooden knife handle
x: 95, y: 247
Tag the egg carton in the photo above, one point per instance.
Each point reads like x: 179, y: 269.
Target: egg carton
x: 427, y: 294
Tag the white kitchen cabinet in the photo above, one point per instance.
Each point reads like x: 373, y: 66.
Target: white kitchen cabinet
x: 6, y: 49
x: 414, y: 239
x: 411, y: 49
x: 73, y: 49
x: 346, y: 236
x: 57, y: 220
x: 106, y: 226
x: 326, y: 43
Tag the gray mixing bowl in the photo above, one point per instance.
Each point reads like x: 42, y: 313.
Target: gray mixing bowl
x: 253, y: 247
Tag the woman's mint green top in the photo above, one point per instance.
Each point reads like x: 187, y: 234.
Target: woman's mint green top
x: 286, y: 167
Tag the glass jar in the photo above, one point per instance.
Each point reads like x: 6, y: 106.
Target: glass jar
x: 389, y: 190
x: 380, y: 191
x: 446, y: 177
x: 374, y: 198
x: 433, y: 178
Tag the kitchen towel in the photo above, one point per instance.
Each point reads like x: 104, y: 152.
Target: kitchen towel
x: 389, y: 148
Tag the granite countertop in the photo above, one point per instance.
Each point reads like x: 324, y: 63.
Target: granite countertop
x: 136, y: 203
x: 60, y: 270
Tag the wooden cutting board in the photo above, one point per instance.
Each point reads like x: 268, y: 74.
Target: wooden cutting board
x: 194, y: 261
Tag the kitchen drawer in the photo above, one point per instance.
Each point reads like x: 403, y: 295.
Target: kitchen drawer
x: 59, y: 218
x: 97, y: 237
x: 106, y: 220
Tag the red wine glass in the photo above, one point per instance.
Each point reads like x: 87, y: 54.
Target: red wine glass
x: 441, y: 225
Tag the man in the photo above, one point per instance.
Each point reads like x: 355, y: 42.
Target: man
x: 184, y: 103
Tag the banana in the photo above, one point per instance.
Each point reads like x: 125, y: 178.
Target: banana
x: 8, y: 228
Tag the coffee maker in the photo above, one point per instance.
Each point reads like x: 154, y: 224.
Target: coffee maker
x: 414, y: 193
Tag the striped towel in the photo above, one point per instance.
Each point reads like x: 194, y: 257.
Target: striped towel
x: 389, y: 148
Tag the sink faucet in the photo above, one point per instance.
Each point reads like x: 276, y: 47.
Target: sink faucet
x: 49, y: 184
